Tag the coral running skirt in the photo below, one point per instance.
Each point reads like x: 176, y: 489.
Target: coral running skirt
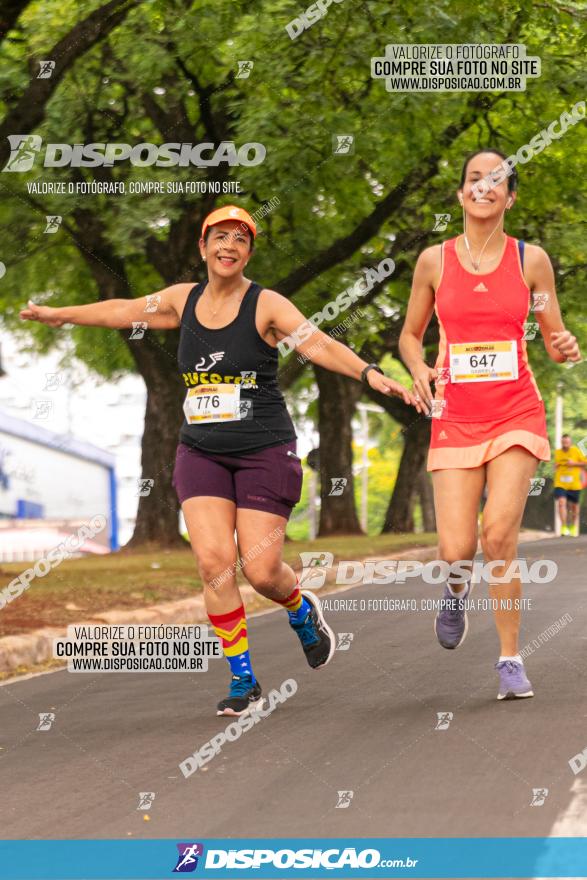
x: 471, y: 444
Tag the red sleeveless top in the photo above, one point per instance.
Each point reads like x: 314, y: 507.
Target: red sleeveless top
x: 474, y: 308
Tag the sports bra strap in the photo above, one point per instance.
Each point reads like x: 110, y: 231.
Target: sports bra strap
x: 521, y: 250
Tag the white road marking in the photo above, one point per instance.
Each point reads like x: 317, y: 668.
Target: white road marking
x: 572, y: 822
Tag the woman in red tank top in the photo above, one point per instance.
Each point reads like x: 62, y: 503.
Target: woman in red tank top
x: 488, y: 419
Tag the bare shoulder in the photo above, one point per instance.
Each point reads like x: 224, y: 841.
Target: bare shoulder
x: 270, y: 301
x: 427, y: 271
x: 271, y: 296
x: 177, y: 291
x: 534, y: 255
x: 430, y: 256
x: 538, y: 270
x: 176, y: 295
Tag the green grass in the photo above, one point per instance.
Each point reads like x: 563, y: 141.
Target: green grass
x: 78, y: 588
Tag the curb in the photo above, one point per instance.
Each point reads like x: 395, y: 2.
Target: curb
x: 32, y: 649
x: 35, y: 648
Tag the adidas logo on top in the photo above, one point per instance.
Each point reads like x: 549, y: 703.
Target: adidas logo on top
x: 480, y: 288
x: 443, y: 435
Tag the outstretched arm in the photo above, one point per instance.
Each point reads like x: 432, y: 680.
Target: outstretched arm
x: 161, y: 311
x: 289, y: 324
x: 419, y: 312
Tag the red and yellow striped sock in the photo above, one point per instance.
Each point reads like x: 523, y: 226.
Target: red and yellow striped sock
x: 231, y: 629
x: 295, y: 604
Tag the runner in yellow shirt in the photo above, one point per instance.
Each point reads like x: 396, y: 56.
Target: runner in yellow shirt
x: 569, y: 462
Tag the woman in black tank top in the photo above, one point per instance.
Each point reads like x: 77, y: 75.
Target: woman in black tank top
x: 231, y: 355
x: 236, y: 471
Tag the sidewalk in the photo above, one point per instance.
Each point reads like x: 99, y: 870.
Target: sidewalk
x: 21, y: 652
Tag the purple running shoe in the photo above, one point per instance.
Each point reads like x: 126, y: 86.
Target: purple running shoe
x: 451, y: 622
x: 513, y: 681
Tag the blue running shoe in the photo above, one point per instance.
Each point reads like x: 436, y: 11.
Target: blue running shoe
x: 451, y: 623
x: 314, y: 633
x: 513, y: 681
x: 244, y: 695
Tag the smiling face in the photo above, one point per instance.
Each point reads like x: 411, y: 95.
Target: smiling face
x: 496, y: 200
x: 227, y: 248
x: 566, y: 442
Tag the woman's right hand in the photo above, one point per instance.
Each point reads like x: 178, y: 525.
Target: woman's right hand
x: 42, y: 314
x: 423, y: 376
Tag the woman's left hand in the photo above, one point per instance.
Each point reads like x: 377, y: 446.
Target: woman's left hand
x: 565, y: 343
x: 381, y: 383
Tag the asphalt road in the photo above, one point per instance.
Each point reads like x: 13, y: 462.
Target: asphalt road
x: 366, y: 724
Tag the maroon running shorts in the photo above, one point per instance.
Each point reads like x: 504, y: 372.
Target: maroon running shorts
x: 269, y: 480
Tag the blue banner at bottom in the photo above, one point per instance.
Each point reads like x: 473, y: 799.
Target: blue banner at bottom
x: 369, y: 858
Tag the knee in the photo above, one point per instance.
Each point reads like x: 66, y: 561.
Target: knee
x: 216, y: 566
x: 263, y: 576
x: 452, y: 552
x: 496, y: 542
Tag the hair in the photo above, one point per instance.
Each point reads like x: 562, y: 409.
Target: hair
x: 251, y: 237
x: 512, y: 177
x: 566, y: 435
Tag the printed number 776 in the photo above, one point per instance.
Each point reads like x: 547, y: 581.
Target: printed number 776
x: 213, y: 401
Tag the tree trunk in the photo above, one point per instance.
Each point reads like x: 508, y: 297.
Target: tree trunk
x: 336, y: 407
x: 426, y: 496
x: 399, y: 516
x: 158, y: 511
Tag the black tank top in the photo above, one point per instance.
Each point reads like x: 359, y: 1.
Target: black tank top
x: 234, y: 355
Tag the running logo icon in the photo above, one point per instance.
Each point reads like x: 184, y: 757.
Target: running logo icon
x: 443, y: 376
x: 249, y: 378
x: 153, y: 302
x: 146, y: 799
x: 138, y: 329
x: 539, y: 795
x: 245, y: 409
x: 344, y: 799
x: 536, y: 485
x: 437, y: 408
x: 444, y: 719
x: 338, y: 485
x: 53, y: 223
x: 314, y: 567
x: 187, y: 861
x: 23, y: 151
x: 244, y: 69
x: 43, y: 409
x: 343, y: 144
x: 46, y: 68
x: 53, y: 381
x: 344, y: 641
x: 46, y: 719
x: 144, y: 487
x: 539, y: 301
x: 441, y: 222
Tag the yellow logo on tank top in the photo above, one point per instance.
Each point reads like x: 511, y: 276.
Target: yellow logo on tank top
x: 247, y: 378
